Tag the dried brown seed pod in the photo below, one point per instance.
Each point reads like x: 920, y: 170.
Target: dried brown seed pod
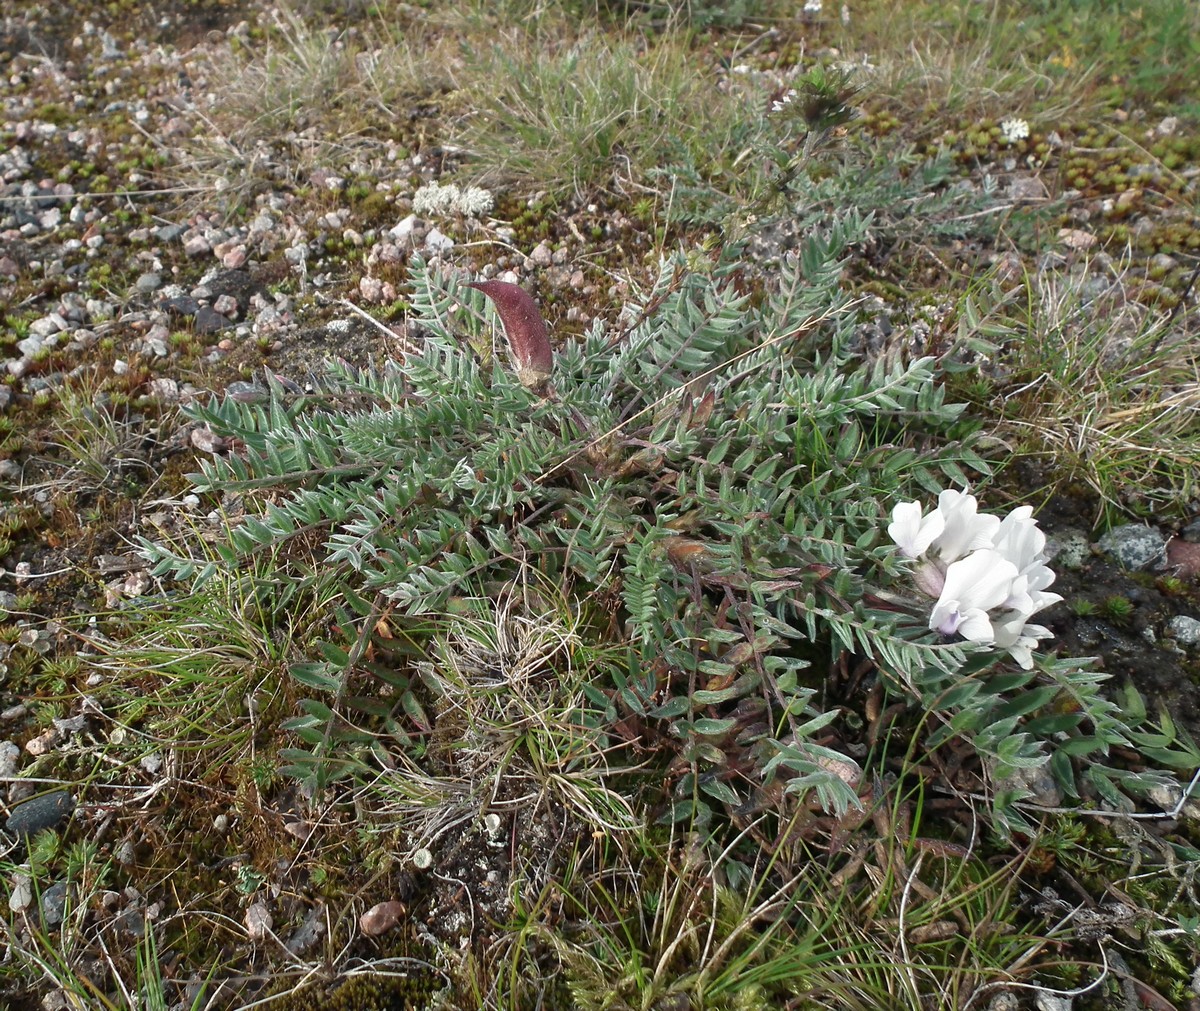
x: 526, y: 330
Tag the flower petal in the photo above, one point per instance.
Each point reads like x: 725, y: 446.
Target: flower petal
x: 983, y: 579
x: 912, y: 531
x: 964, y: 529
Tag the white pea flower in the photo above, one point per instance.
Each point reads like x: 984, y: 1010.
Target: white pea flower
x: 1014, y: 129
x: 965, y: 530
x: 1014, y: 634
x: 987, y: 575
x: 972, y: 587
x: 913, y: 531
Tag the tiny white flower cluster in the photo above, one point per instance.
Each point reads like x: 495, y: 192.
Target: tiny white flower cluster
x: 812, y: 6
x: 1014, y: 129
x: 785, y: 99
x: 988, y: 575
x: 433, y: 198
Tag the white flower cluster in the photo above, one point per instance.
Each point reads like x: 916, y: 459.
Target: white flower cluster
x: 433, y: 198
x: 988, y: 575
x: 1014, y: 129
x: 784, y: 99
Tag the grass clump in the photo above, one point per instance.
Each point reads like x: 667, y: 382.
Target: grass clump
x: 1104, y: 390
x: 603, y: 110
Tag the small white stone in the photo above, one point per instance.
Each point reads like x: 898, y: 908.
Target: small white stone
x: 436, y: 242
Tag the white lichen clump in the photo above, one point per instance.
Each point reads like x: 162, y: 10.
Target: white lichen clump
x: 1014, y: 129
x: 469, y: 201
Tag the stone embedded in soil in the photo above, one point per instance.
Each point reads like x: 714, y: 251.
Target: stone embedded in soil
x: 54, y: 903
x: 10, y: 754
x: 182, y: 305
x: 437, y: 242
x: 381, y: 917
x: 42, y: 812
x: 1183, y: 558
x: 1135, y: 547
x: 1185, y: 630
x: 209, y: 321
x: 196, y: 245
x: 1068, y: 548
x: 148, y: 282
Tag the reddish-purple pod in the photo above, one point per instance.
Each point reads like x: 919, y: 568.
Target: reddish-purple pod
x: 526, y: 330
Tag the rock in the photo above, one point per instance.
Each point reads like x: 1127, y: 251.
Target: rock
x: 1191, y: 532
x: 48, y: 325
x: 226, y: 305
x: 1185, y: 630
x: 384, y: 252
x: 234, y: 257
x: 148, y: 282
x: 1027, y: 188
x: 96, y: 309
x: 196, y: 245
x: 1073, y: 238
x: 542, y: 255
x: 380, y: 918
x: 54, y: 903
x: 166, y: 390
x: 42, y: 812
x: 405, y: 227
x: 371, y: 289
x: 209, y: 321
x: 10, y: 754
x: 1067, y: 548
x: 1183, y: 557
x: 181, y: 305
x: 1135, y: 547
x: 436, y: 242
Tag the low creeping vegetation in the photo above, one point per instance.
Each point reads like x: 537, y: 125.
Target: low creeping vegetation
x: 702, y: 490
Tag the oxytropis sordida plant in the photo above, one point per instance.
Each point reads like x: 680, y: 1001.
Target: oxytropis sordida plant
x: 708, y: 482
